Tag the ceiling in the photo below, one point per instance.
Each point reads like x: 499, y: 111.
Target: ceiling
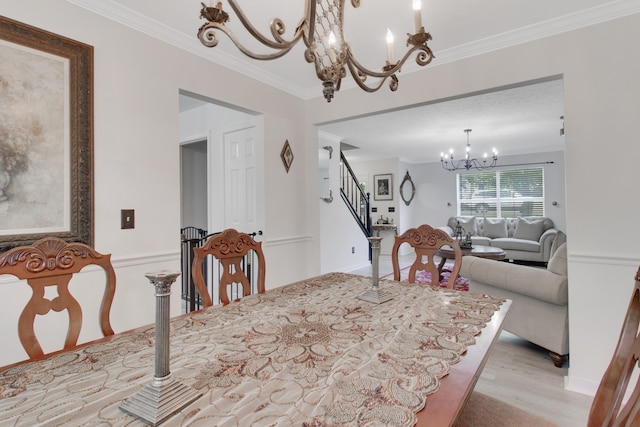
x: 514, y: 120
x: 517, y: 120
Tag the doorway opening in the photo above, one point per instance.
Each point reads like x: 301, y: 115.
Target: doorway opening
x: 222, y: 176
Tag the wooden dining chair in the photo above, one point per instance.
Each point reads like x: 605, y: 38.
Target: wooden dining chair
x: 426, y: 241
x: 609, y: 407
x: 231, y: 248
x: 51, y: 262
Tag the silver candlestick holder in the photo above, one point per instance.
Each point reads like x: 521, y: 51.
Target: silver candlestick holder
x: 375, y: 294
x: 163, y: 396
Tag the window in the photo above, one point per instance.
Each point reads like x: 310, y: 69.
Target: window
x: 502, y: 194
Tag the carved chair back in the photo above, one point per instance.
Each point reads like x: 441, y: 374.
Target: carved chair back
x: 51, y: 262
x: 426, y: 241
x: 231, y: 248
x: 608, y: 407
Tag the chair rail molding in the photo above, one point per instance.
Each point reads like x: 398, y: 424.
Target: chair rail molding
x: 291, y: 240
x: 605, y: 259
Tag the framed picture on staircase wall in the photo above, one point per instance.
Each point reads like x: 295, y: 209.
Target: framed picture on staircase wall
x: 383, y: 187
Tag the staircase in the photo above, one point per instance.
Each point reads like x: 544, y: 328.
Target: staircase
x: 357, y: 201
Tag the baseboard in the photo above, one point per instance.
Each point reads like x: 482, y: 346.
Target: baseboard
x: 352, y: 268
x: 579, y: 385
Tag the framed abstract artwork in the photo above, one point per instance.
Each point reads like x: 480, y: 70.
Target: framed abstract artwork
x: 46, y: 136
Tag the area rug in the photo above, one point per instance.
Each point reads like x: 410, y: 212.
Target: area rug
x: 424, y: 278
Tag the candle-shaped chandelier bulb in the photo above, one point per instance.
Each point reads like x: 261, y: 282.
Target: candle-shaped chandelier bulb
x: 332, y: 39
x: 320, y: 47
x: 417, y: 15
x: 390, y: 47
x: 332, y: 48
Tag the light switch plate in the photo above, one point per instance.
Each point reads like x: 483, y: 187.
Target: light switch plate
x: 127, y: 219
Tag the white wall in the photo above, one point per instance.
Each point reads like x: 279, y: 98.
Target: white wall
x: 343, y: 245
x: 599, y: 72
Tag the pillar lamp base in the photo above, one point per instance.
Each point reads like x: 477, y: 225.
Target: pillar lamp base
x: 375, y: 296
x: 159, y: 400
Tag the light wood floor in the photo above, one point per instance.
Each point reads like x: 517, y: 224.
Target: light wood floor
x: 521, y: 373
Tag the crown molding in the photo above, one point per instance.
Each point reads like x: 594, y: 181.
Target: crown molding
x: 562, y: 24
x: 132, y: 19
x: 139, y: 22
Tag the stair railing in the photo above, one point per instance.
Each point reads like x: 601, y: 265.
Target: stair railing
x: 354, y: 196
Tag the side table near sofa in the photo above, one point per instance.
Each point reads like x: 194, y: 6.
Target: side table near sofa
x: 486, y: 252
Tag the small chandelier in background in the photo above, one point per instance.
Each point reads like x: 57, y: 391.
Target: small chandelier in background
x: 468, y: 162
x: 321, y: 30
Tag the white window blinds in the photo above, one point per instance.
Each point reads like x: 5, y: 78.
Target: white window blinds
x: 502, y: 194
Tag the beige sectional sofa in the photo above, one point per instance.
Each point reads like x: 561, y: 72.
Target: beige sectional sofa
x: 523, y: 239
x: 539, y: 311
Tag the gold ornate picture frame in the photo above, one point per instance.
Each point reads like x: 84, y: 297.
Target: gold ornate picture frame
x: 46, y: 178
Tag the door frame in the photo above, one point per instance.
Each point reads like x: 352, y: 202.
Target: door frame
x: 203, y: 139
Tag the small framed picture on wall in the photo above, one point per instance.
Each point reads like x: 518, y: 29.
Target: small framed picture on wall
x: 383, y: 187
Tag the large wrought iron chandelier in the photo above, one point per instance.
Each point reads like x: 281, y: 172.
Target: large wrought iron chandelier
x: 468, y: 162
x: 321, y: 30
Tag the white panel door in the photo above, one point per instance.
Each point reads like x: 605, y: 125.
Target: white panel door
x: 240, y: 180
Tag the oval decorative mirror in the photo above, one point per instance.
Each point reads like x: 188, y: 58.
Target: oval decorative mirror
x: 407, y: 189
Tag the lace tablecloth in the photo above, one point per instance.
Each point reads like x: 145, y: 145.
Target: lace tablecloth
x: 306, y: 354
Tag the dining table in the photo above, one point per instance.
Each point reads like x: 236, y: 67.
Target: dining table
x: 310, y: 353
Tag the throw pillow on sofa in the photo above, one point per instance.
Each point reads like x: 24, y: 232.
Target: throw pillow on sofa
x: 495, y: 228
x: 529, y: 230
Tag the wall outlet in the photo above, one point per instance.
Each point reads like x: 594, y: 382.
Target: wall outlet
x: 353, y: 249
